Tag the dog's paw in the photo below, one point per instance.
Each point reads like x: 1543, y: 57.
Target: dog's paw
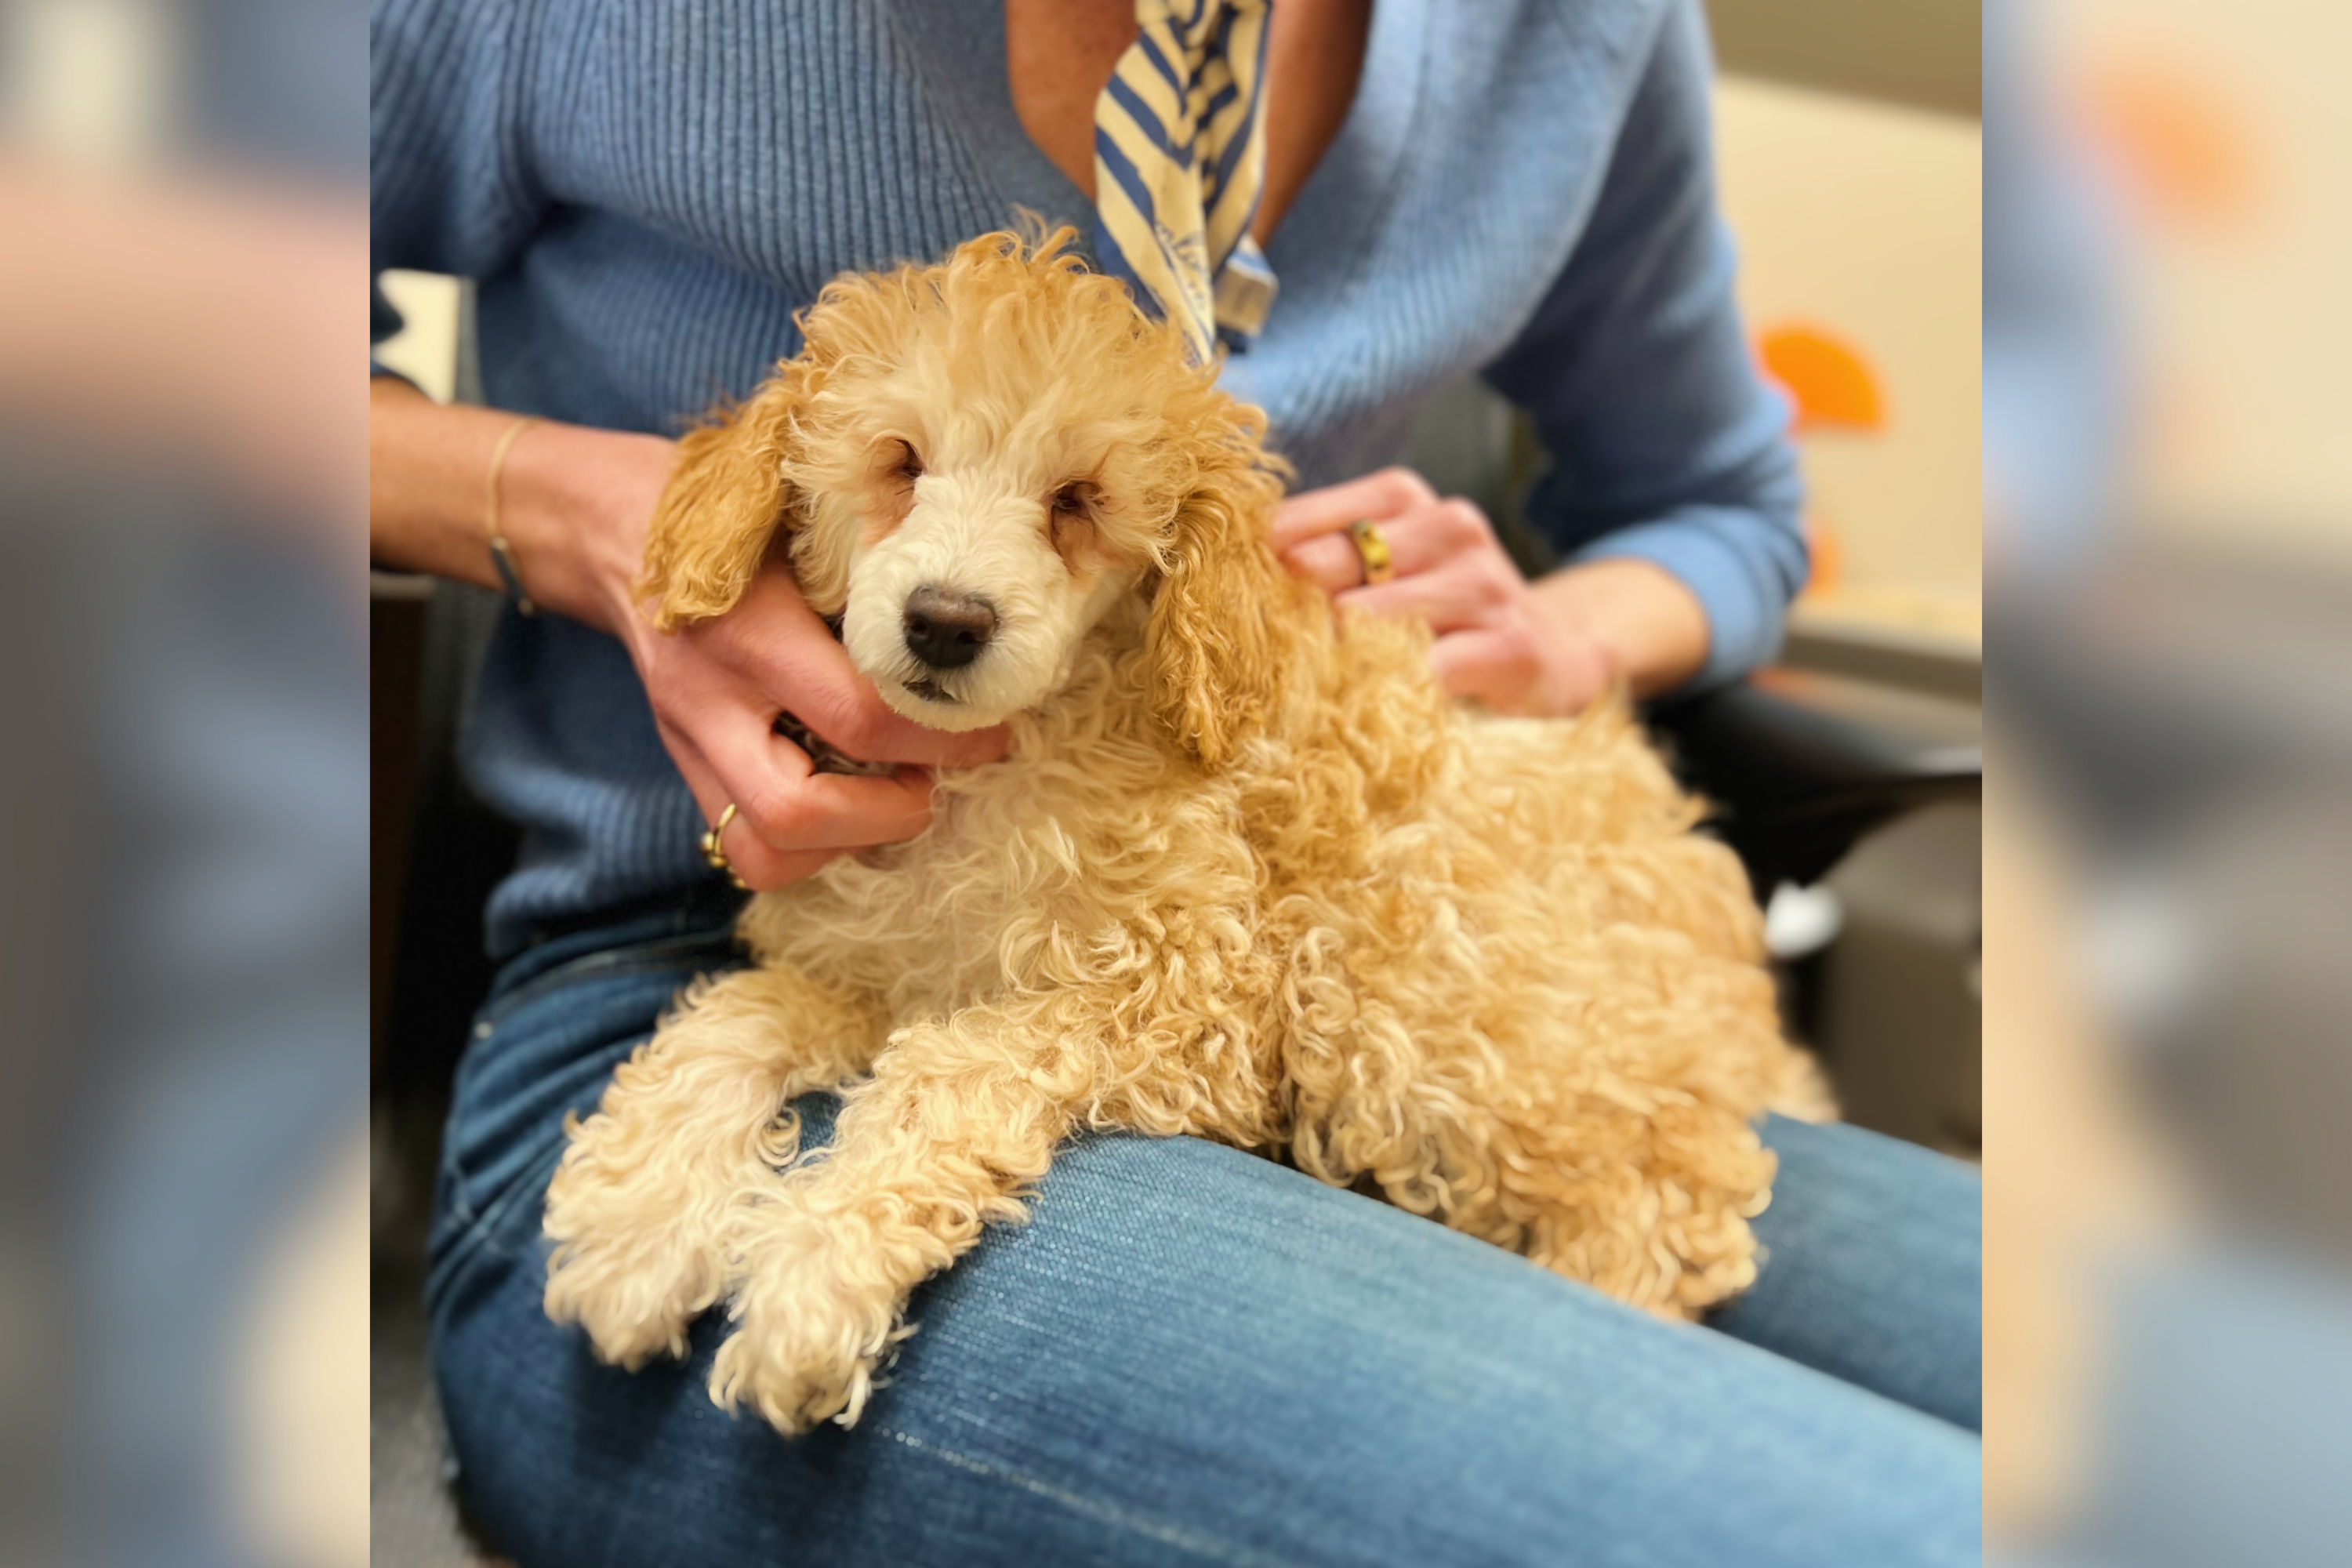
x: 792, y: 1388
x: 633, y: 1281
x: 630, y: 1317
x: 807, y: 1344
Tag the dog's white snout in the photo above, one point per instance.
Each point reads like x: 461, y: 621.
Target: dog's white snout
x: 965, y: 614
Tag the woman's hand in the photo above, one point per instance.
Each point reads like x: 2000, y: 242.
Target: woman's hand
x: 1452, y: 572
x: 576, y: 503
x: 1550, y: 647
x: 717, y: 686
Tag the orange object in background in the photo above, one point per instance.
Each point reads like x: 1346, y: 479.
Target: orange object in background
x: 2169, y: 130
x: 1831, y: 387
x: 1826, y: 377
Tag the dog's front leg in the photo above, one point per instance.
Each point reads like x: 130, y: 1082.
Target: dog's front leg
x: 959, y: 1118
x: 640, y: 1206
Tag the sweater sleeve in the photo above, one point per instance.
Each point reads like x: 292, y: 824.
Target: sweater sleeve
x: 449, y: 186
x: 1667, y: 446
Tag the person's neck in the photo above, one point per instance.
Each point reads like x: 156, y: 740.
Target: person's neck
x: 1059, y: 54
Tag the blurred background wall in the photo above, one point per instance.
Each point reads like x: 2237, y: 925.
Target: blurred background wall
x: 1850, y: 150
x: 1921, y: 54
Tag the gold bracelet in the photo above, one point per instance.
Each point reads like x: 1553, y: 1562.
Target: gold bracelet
x: 502, y: 552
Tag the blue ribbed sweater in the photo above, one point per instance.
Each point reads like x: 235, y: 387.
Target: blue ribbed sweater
x: 647, y: 190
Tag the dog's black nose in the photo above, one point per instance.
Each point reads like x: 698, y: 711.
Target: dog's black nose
x: 945, y: 630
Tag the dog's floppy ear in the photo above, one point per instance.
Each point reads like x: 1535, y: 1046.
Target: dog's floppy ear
x: 1225, y: 615
x: 726, y: 499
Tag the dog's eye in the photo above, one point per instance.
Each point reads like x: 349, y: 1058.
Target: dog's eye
x: 910, y: 466
x: 1070, y: 517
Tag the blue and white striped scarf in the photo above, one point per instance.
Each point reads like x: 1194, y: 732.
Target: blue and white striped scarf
x: 1180, y: 159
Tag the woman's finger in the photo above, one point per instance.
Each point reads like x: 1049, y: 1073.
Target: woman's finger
x: 1329, y: 561
x: 756, y: 863
x: 1467, y: 593
x: 1392, y: 492
x: 1493, y: 665
x: 764, y: 869
x: 1514, y: 668
x: 1419, y: 539
x: 792, y: 807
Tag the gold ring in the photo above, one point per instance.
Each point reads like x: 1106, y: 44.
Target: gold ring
x: 716, y: 854
x: 1372, y: 549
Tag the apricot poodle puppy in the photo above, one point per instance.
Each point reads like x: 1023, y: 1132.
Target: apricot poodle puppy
x: 1246, y: 874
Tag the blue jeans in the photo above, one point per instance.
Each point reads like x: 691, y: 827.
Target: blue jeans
x: 1193, y: 1354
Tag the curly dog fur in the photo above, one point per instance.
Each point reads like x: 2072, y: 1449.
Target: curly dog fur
x: 1246, y: 875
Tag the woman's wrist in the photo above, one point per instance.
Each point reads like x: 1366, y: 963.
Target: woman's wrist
x: 575, y: 503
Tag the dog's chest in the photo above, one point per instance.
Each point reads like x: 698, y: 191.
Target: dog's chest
x: 1052, y: 868
x: 1031, y: 846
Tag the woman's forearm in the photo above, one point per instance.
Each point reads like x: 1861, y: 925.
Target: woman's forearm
x: 427, y: 465
x: 573, y: 501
